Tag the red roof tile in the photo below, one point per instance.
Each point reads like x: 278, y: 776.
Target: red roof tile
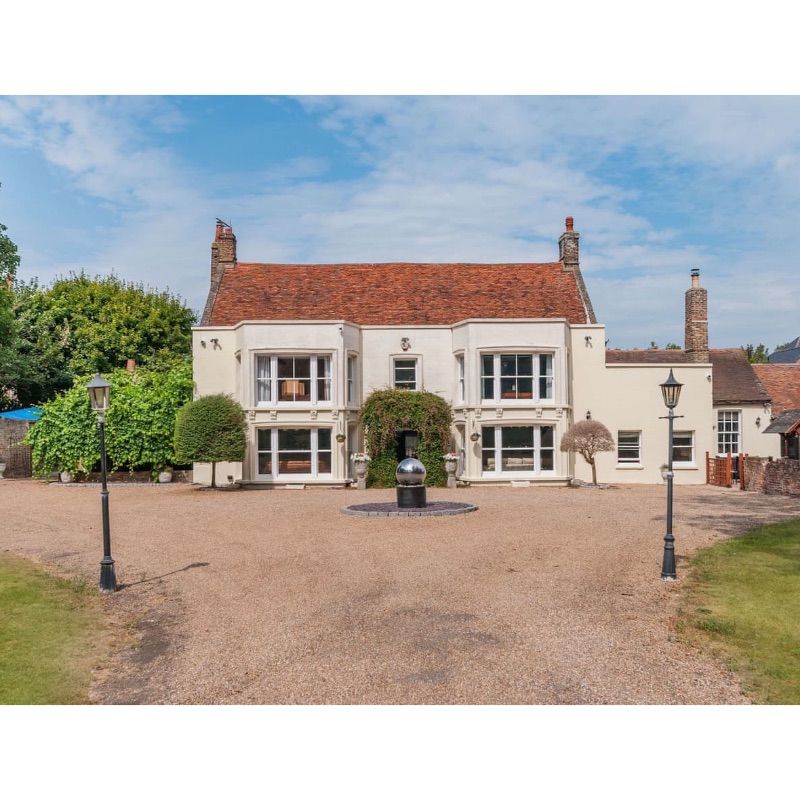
x: 397, y: 294
x: 782, y: 381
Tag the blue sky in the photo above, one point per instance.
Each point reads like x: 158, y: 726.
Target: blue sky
x: 657, y: 185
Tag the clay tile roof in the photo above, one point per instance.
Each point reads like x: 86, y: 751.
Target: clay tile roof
x: 397, y: 294
x: 734, y: 378
x: 782, y: 381
x: 645, y: 356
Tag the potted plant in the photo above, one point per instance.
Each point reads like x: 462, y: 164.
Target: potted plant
x: 340, y: 437
x: 474, y: 436
x: 361, y: 460
x: 664, y: 468
x: 450, y: 462
x: 164, y: 474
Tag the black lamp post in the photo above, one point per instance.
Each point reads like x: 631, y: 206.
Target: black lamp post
x: 671, y: 390
x: 99, y: 391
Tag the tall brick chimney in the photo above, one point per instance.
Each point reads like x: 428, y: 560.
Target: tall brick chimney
x: 568, y: 255
x: 223, y: 256
x: 223, y: 251
x: 568, y: 248
x: 696, y: 322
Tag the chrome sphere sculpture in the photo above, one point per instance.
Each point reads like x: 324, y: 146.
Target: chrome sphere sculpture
x: 410, y: 472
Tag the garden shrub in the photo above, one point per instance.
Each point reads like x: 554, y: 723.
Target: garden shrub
x: 388, y: 411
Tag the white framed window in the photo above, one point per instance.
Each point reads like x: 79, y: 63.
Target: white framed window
x: 292, y: 379
x: 516, y: 376
x: 351, y: 381
x: 727, y: 432
x: 683, y: 447
x: 294, y: 452
x: 461, y: 386
x: 404, y: 373
x: 629, y: 447
x: 509, y: 449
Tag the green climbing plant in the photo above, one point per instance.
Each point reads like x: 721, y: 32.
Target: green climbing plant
x: 386, y: 412
x: 139, y: 424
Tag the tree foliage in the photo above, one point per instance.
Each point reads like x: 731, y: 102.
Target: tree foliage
x: 588, y: 437
x: 139, y: 429
x: 209, y: 430
x: 81, y: 325
x: 757, y: 355
x: 9, y: 261
x: 386, y: 412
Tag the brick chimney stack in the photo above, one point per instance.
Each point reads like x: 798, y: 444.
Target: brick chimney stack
x: 568, y: 249
x: 696, y: 322
x: 223, y: 256
x: 223, y: 251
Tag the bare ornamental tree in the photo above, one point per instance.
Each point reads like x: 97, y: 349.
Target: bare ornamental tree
x: 588, y: 437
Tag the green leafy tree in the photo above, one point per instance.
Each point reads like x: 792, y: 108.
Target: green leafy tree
x: 673, y: 346
x: 140, y: 423
x: 757, y: 355
x: 9, y: 261
x: 209, y: 430
x: 388, y: 411
x: 588, y: 437
x: 81, y: 325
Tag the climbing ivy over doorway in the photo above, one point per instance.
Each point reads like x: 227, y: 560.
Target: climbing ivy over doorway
x: 386, y: 413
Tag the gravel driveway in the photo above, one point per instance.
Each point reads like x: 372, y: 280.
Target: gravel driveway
x: 542, y: 596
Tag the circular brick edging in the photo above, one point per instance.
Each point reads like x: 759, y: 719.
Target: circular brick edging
x: 436, y: 508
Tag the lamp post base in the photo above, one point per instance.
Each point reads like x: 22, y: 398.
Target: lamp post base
x: 108, y: 578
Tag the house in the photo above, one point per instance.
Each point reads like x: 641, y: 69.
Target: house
x: 514, y: 348
x: 782, y: 381
x: 788, y: 355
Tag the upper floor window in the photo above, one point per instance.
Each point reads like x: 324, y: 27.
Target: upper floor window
x: 516, y: 376
x: 405, y: 373
x: 293, y: 379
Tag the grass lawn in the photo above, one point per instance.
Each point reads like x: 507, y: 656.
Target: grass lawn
x: 51, y: 633
x: 741, y: 602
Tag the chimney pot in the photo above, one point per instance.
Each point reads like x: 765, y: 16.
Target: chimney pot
x: 570, y: 222
x: 695, y: 279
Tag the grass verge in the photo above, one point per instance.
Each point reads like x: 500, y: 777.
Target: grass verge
x: 52, y: 632
x: 740, y: 603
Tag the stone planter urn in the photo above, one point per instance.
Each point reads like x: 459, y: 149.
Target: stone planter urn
x: 165, y: 476
x: 2, y: 470
x: 450, y: 469
x: 67, y: 477
x: 361, y: 474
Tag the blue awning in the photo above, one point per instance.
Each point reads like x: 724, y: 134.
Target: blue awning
x: 28, y: 414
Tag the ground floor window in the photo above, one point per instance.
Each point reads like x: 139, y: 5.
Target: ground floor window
x: 727, y: 432
x: 683, y: 447
x: 287, y: 452
x: 517, y: 448
x: 629, y: 447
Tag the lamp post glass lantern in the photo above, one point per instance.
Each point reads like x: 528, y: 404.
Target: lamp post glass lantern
x: 99, y: 395
x: 671, y: 392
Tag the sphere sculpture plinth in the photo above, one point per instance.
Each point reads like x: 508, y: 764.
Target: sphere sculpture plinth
x: 410, y: 475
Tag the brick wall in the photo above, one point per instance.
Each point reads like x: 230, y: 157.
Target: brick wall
x: 17, y: 458
x: 780, y: 476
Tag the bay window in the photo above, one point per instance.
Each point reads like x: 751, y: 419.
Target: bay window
x: 288, y: 452
x: 517, y: 448
x: 516, y: 376
x: 292, y: 379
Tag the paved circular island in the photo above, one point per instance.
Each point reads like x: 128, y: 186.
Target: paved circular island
x: 436, y: 508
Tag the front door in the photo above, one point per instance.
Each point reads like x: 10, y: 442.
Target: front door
x: 407, y: 445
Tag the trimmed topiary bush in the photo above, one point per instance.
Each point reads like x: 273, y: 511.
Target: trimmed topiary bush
x: 389, y: 411
x: 209, y: 430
